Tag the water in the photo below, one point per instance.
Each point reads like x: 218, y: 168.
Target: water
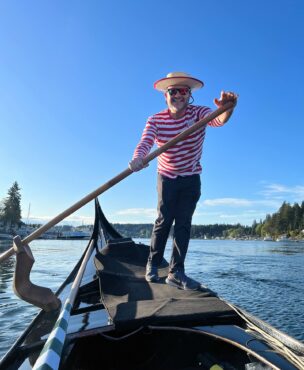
x: 264, y: 278
x: 54, y: 260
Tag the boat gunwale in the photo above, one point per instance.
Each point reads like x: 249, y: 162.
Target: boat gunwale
x: 199, y: 330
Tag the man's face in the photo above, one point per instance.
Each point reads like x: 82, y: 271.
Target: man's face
x: 177, y: 98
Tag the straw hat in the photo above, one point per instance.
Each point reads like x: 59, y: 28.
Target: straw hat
x: 178, y: 78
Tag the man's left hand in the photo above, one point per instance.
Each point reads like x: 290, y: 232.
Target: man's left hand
x: 226, y: 97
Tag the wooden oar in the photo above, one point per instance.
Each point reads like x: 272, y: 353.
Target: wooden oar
x: 23, y: 287
x: 34, y: 235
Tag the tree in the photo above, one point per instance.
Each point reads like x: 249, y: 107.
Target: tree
x: 253, y: 227
x: 302, y: 216
x: 1, y: 211
x: 258, y: 229
x: 297, y: 215
x: 11, y: 210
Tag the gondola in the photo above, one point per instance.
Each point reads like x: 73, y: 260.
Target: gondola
x: 120, y: 321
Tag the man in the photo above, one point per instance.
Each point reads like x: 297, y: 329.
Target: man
x: 179, y: 169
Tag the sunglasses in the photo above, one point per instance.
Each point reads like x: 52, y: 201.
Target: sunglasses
x: 181, y: 90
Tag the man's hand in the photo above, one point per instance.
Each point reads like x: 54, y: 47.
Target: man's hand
x: 137, y: 164
x: 226, y: 97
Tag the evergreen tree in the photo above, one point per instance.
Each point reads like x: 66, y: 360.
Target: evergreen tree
x: 266, y: 226
x: 11, y: 211
x: 258, y: 229
x: 253, y: 227
x: 302, y: 216
x: 296, y: 221
x: 1, y: 211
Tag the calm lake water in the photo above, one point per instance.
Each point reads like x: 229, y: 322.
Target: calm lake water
x: 264, y: 278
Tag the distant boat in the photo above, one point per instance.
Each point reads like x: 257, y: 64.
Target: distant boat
x: 74, y: 234
x: 282, y: 238
x: 23, y: 231
x: 268, y: 239
x: 49, y: 235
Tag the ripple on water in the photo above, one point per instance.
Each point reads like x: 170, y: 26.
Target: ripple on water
x: 266, y: 283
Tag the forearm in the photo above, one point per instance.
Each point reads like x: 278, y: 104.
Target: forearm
x: 141, y: 150
x: 224, y: 117
x: 146, y: 141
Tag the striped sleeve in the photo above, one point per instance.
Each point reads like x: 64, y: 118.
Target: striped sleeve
x: 204, y: 112
x: 147, y: 139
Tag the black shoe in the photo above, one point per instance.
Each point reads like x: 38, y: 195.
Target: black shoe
x: 181, y: 280
x: 151, y: 273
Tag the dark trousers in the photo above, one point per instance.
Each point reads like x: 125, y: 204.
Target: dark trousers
x: 177, y: 199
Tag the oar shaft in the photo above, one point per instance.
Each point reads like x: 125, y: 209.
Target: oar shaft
x: 115, y: 180
x: 76, y: 206
x: 78, y: 278
x: 42, y: 229
x: 50, y: 355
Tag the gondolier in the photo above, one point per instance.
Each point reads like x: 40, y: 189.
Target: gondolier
x: 179, y: 169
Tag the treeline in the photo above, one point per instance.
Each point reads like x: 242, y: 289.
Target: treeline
x: 197, y: 231
x: 289, y: 221
x: 220, y: 231
x: 10, y: 209
x: 134, y: 230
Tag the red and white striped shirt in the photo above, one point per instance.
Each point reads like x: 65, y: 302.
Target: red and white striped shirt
x: 183, y: 159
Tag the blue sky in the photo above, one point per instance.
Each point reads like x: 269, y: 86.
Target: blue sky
x: 76, y: 88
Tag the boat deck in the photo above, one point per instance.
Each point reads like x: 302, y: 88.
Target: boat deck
x: 132, y: 302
